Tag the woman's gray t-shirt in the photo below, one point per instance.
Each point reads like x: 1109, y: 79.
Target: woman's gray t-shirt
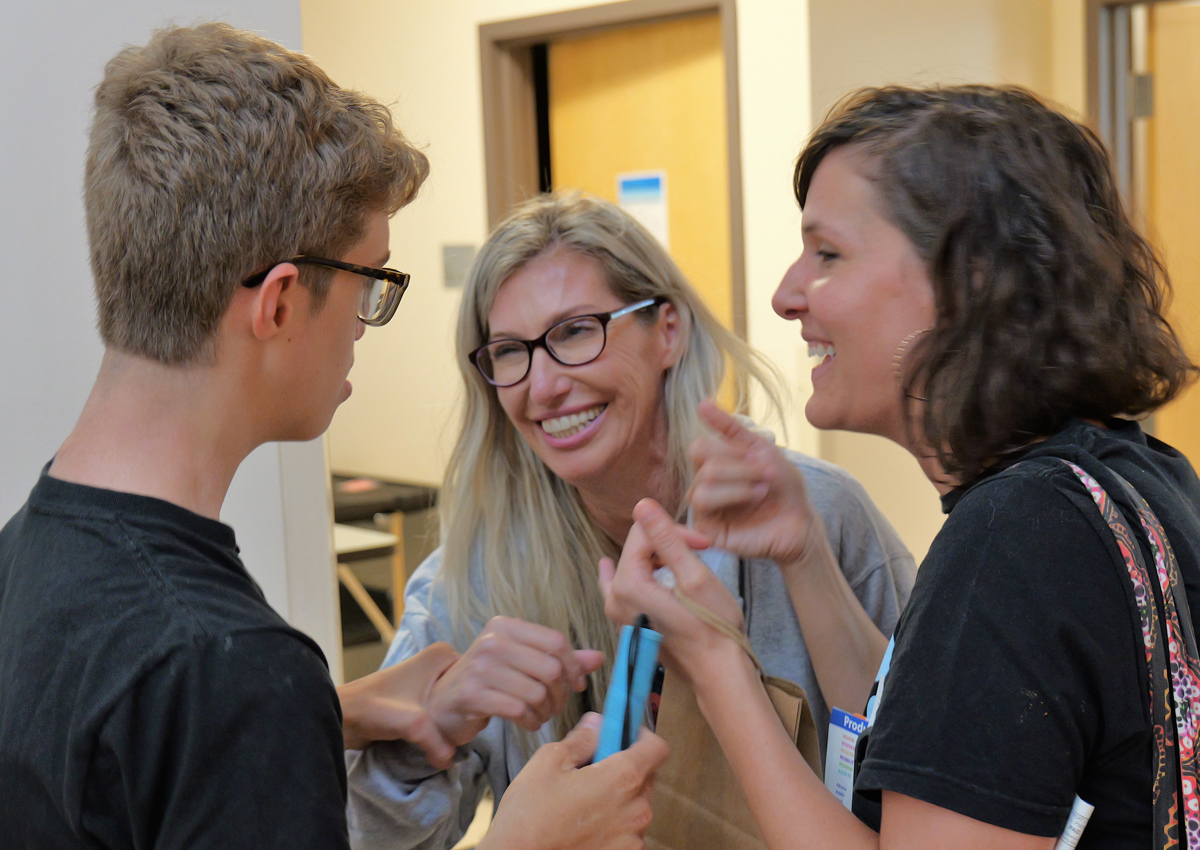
x: 397, y: 801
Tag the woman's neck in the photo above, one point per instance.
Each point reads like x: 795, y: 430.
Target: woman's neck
x: 612, y: 509
x: 912, y: 440
x: 610, y: 499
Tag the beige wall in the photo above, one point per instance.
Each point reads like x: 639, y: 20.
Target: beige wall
x: 1068, y: 73
x: 795, y: 60
x: 424, y: 59
x: 868, y: 42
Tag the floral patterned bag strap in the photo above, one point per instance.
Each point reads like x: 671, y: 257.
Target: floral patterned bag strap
x: 1171, y: 658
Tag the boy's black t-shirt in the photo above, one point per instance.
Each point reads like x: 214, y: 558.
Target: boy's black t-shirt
x: 149, y: 696
x: 1018, y: 679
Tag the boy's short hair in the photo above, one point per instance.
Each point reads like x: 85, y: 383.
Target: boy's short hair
x: 213, y: 154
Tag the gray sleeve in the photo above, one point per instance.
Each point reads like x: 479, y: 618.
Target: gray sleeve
x: 874, y: 560
x: 396, y: 800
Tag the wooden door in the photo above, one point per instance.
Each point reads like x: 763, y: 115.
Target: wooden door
x: 1173, y: 210
x: 651, y: 97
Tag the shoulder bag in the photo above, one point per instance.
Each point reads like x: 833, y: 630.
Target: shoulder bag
x: 1171, y: 660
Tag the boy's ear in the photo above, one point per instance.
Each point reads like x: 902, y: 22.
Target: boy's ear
x: 275, y: 301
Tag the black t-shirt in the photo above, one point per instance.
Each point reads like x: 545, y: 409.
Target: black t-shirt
x: 1018, y: 679
x: 149, y: 696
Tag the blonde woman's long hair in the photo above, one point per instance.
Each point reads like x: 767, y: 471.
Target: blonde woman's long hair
x: 516, y: 539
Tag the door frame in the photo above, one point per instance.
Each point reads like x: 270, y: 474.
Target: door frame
x: 1093, y: 18
x: 1096, y: 43
x: 1110, y: 97
x: 510, y: 110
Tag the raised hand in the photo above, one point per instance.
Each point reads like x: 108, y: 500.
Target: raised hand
x: 556, y: 802
x: 746, y: 496
x: 516, y: 670
x: 629, y: 587
x: 749, y: 499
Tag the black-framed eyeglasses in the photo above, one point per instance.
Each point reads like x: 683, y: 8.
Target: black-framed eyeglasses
x: 382, y: 290
x: 571, y: 342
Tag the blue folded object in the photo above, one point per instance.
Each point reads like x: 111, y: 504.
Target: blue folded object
x: 628, y: 689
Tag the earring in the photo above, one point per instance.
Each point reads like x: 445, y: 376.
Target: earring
x: 898, y: 359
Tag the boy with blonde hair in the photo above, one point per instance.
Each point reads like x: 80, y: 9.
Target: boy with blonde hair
x: 237, y: 209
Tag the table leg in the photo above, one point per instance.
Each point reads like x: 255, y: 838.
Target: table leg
x: 399, y: 567
x: 364, y: 600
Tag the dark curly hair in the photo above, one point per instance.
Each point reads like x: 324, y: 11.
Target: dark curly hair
x: 1049, y: 304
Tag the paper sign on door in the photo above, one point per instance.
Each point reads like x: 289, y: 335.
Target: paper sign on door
x: 644, y: 196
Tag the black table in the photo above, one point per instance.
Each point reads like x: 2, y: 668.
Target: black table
x: 384, y: 497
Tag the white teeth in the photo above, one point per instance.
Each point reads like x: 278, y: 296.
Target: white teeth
x: 565, y: 426
x: 821, y: 350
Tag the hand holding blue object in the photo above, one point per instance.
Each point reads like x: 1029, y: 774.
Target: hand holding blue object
x: 629, y: 687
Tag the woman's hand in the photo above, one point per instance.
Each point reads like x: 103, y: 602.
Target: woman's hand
x: 555, y: 803
x: 629, y: 588
x: 516, y: 670
x: 747, y: 497
x: 389, y: 705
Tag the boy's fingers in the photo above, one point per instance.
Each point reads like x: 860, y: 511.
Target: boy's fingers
x: 648, y: 753
x: 580, y: 744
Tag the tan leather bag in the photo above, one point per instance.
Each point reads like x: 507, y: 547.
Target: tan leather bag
x: 698, y: 803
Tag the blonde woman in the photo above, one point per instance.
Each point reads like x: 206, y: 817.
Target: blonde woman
x: 585, y: 354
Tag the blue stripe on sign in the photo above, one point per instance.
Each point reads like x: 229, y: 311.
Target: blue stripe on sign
x: 642, y: 187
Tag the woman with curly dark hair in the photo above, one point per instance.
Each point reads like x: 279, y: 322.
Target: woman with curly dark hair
x: 973, y: 290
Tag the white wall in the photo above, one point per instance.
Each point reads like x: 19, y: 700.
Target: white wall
x: 424, y: 59
x: 52, y: 54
